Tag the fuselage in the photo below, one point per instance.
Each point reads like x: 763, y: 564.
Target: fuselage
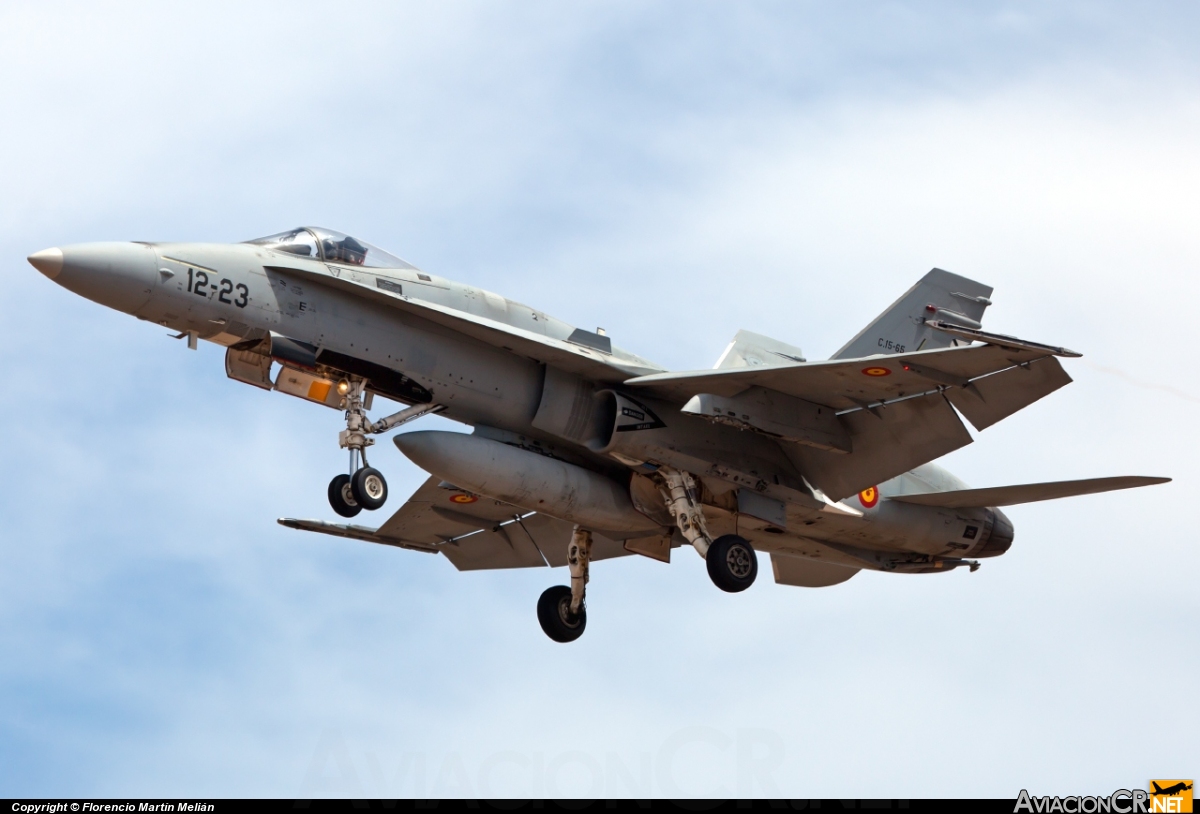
x: 235, y: 294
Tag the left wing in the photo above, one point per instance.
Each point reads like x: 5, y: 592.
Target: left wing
x: 613, y: 365
x: 475, y: 533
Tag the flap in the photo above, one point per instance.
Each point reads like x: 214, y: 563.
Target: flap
x: 848, y: 383
x: 1025, y: 493
x: 563, y: 354
x: 808, y: 573
x: 996, y: 397
x: 887, y: 441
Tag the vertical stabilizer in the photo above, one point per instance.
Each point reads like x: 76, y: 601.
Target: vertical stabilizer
x: 901, y: 328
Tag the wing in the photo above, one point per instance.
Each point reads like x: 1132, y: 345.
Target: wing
x: 574, y: 357
x: 475, y: 533
x: 849, y: 384
x: 1026, y: 493
x: 893, y: 412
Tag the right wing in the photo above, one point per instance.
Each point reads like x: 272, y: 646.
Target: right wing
x: 475, y: 533
x: 896, y: 410
x: 850, y: 384
x: 1025, y: 493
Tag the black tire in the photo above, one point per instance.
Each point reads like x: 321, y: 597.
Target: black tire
x: 554, y: 614
x: 341, y: 498
x: 369, y: 488
x: 732, y: 564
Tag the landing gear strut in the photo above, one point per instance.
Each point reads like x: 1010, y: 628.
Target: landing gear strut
x: 364, y: 487
x: 732, y: 564
x: 561, y: 610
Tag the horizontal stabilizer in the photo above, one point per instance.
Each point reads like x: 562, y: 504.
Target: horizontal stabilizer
x: 1025, y: 493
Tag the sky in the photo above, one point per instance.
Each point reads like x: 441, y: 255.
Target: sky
x: 673, y: 172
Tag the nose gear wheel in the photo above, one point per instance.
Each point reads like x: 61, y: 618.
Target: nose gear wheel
x: 369, y: 488
x: 341, y: 497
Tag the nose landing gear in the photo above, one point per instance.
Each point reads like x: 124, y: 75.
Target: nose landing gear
x: 364, y: 487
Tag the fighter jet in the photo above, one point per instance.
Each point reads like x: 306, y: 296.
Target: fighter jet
x: 582, y: 451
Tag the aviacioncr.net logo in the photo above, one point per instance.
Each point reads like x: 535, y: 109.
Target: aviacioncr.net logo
x: 1165, y: 796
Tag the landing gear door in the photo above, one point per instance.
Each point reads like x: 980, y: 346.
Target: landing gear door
x: 249, y: 366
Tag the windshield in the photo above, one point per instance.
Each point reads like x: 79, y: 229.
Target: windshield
x: 298, y: 241
x: 332, y: 247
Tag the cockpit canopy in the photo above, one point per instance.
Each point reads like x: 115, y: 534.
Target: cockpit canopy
x: 332, y: 247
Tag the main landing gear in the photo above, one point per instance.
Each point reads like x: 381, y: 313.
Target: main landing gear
x: 364, y: 487
x: 732, y: 563
x: 560, y: 609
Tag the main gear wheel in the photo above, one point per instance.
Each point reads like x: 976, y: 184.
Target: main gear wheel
x: 732, y: 563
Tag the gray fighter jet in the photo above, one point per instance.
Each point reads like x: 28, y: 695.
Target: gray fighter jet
x: 583, y: 451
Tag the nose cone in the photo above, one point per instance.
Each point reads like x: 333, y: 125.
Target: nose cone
x: 47, y: 261
x: 119, y: 275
